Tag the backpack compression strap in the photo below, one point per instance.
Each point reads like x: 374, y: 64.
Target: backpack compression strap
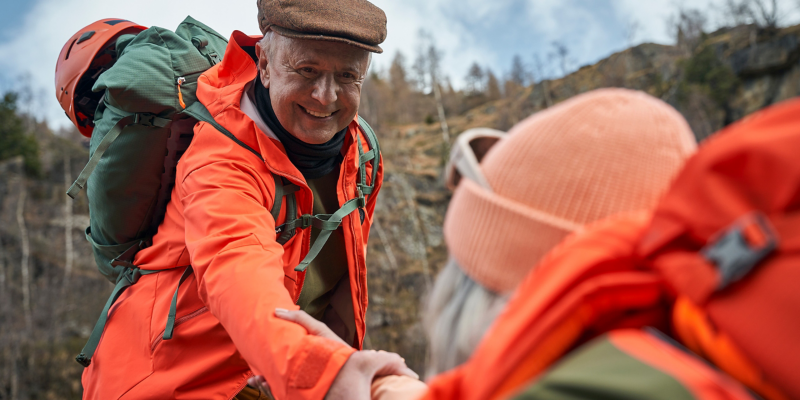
x: 126, y: 278
x: 145, y: 119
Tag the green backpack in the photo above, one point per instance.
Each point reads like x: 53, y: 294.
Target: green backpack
x: 142, y: 126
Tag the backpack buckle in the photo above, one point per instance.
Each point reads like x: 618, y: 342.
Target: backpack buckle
x: 738, y: 249
x: 306, y: 218
x: 132, y: 275
x: 361, y: 202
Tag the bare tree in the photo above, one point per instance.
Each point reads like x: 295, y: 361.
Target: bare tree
x: 428, y: 60
x: 560, y: 54
x: 631, y: 31
x: 400, y: 103
x: 688, y: 27
x: 397, y: 72
x: 474, y: 79
x: 492, y: 86
x: 26, y: 254
x: 69, y: 255
x: 541, y: 73
x: 520, y: 74
x: 766, y: 13
x: 736, y: 12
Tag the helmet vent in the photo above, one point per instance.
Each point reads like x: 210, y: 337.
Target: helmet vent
x: 86, y: 36
x: 70, y: 49
x: 116, y: 21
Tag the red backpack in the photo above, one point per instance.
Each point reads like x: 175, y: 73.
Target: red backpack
x: 714, y: 267
x: 726, y: 238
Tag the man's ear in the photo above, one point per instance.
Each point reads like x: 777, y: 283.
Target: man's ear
x: 263, y: 65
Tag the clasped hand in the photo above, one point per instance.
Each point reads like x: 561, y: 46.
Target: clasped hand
x: 354, y: 380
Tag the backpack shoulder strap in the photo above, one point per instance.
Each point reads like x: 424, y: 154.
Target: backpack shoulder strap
x: 283, y: 188
x: 199, y: 112
x: 372, y: 155
x: 112, y: 135
x: 369, y: 133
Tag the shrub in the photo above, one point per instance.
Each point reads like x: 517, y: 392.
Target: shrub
x: 13, y: 139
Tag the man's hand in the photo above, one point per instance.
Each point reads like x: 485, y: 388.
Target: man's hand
x: 355, y: 378
x: 313, y: 326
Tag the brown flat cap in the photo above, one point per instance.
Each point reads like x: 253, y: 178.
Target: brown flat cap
x: 355, y: 22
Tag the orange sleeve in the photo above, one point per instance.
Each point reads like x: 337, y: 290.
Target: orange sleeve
x: 445, y: 386
x: 230, y: 235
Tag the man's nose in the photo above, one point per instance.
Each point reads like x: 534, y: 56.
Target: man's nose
x: 325, y: 90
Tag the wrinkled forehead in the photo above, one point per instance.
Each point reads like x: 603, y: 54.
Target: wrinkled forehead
x: 322, y: 53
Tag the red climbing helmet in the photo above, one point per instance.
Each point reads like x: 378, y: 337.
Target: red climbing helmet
x: 83, y: 58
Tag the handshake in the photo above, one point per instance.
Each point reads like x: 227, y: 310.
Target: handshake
x: 367, y: 374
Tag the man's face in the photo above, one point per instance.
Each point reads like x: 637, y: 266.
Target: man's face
x: 314, y: 85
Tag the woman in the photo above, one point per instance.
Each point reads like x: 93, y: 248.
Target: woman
x: 598, y: 154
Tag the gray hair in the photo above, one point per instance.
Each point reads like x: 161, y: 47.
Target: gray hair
x: 459, y: 311
x: 266, y: 43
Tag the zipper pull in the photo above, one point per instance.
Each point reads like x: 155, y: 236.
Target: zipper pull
x: 181, y: 81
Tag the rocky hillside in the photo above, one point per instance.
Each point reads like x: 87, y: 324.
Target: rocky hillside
x: 730, y: 74
x: 50, y: 294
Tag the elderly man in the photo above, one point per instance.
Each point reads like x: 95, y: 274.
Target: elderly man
x: 290, y: 99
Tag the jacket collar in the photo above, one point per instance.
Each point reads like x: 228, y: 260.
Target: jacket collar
x: 222, y: 88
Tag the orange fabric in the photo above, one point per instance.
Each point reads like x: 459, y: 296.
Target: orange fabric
x: 588, y: 284
x: 751, y: 165
x: 219, y: 222
x: 698, y: 334
x: 628, y: 272
x: 701, y: 380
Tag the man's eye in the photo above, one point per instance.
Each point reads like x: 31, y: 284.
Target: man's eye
x: 306, y: 71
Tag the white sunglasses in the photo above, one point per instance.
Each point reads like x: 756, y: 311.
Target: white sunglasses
x: 466, y: 155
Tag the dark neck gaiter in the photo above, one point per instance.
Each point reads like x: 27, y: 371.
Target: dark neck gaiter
x: 312, y: 160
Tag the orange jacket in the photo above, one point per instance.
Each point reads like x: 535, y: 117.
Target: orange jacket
x: 219, y: 221
x: 570, y: 298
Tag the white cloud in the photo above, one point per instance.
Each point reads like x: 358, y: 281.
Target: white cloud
x: 488, y: 32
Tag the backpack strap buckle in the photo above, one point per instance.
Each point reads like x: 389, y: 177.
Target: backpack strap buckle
x: 131, y: 275
x: 740, y: 247
x: 148, y: 119
x: 361, y: 200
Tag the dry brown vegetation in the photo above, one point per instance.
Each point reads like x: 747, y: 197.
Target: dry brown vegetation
x: 51, y: 294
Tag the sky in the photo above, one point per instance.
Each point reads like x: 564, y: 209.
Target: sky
x: 32, y: 32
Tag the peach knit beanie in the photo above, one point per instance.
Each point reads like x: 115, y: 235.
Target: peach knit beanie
x: 595, y: 155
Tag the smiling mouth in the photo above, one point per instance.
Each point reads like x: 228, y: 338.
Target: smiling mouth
x: 318, y: 114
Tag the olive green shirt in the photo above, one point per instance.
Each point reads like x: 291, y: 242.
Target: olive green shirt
x: 326, y: 290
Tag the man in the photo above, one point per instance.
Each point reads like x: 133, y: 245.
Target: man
x: 291, y: 99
